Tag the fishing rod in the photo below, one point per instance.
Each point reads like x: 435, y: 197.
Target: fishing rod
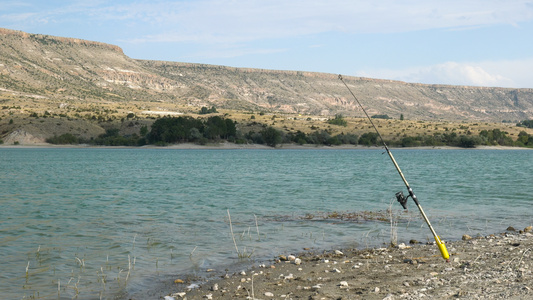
x: 399, y: 196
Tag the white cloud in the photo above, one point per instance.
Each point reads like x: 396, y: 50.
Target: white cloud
x: 219, y: 21
x: 513, y: 74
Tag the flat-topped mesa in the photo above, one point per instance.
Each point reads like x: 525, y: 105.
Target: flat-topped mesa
x: 49, y: 39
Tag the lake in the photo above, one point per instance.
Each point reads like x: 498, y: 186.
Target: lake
x: 103, y: 223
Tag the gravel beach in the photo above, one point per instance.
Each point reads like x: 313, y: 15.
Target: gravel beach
x: 497, y: 266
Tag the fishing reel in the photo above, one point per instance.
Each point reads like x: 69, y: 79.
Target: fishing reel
x: 402, y: 199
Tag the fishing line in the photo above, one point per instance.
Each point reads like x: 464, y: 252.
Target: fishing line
x: 399, y: 196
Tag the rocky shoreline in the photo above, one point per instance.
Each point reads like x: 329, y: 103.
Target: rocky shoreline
x: 498, y: 266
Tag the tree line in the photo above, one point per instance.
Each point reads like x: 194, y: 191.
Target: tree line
x: 183, y: 129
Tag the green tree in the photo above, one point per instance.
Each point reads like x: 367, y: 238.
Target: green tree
x: 338, y: 120
x: 368, y: 139
x: 271, y: 136
x: 526, y: 123
x: 144, y: 130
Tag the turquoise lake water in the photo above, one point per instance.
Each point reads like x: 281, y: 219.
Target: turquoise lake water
x: 111, y: 223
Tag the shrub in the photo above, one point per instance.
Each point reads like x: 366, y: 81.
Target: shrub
x: 339, y: 120
x: 368, y: 139
x: 271, y: 136
x: 64, y: 139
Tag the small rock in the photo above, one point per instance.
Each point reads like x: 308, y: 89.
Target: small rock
x: 337, y: 252
x: 243, y: 273
x: 193, y: 286
x: 317, y: 287
x: 210, y: 270
x: 376, y: 290
x: 297, y: 261
x: 336, y: 270
x: 413, y: 242
x: 178, y: 281
x: 291, y: 257
x: 269, y: 294
x: 528, y: 229
x: 466, y: 237
x: 343, y: 284
x: 406, y: 284
x: 214, y: 287
x: 403, y: 246
x: 283, y: 258
x: 180, y: 295
x: 169, y: 298
x: 209, y: 296
x: 290, y: 276
x: 511, y: 228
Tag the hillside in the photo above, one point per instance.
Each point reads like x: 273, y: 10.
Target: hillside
x: 76, y: 71
x: 92, y: 81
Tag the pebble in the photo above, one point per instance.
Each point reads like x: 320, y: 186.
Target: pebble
x: 402, y: 246
x: 466, y: 237
x: 297, y: 261
x: 178, y: 281
x: 337, y: 252
x: 376, y: 290
x: 528, y: 229
x: 291, y: 257
x: 243, y: 273
x: 214, y: 287
x: 343, y: 284
x: 209, y: 296
x: 269, y: 294
x: 169, y: 298
x: 336, y: 270
x: 180, y: 295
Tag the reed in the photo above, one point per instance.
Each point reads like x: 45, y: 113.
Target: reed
x: 240, y: 254
x: 27, y: 272
x: 257, y: 228
x: 393, y: 226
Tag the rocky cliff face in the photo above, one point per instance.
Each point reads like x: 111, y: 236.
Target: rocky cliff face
x: 73, y: 70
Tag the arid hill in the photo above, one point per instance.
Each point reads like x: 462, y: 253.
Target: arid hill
x: 69, y: 71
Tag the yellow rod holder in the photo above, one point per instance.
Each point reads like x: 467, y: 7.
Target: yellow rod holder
x: 440, y: 243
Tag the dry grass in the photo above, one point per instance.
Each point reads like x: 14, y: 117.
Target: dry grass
x: 82, y: 118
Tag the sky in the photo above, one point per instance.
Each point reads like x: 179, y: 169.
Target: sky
x: 457, y: 42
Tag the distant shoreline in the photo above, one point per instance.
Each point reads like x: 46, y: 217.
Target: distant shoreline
x: 233, y: 146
